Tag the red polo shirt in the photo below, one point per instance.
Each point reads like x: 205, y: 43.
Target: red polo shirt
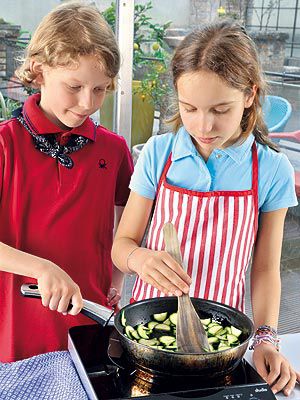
x: 63, y: 215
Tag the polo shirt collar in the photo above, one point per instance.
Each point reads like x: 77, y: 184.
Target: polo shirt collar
x: 239, y: 151
x: 184, y: 147
x: 41, y: 125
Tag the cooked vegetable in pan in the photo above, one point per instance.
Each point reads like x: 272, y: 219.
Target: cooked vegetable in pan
x: 160, y: 333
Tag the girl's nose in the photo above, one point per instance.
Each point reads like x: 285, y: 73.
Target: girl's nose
x: 205, y: 124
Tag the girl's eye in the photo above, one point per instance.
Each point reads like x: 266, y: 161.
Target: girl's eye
x: 215, y: 111
x: 190, y: 110
x: 74, y: 87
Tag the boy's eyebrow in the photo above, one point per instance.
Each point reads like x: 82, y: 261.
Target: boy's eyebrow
x: 76, y: 81
x: 224, y: 103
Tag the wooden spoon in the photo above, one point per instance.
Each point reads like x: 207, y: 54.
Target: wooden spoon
x: 190, y: 334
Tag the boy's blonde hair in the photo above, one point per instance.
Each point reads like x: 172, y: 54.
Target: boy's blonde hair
x: 69, y: 31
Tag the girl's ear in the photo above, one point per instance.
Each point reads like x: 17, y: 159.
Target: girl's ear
x: 249, y: 98
x: 37, y: 69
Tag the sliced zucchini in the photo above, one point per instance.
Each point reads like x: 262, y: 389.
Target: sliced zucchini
x: 223, y: 346
x: 228, y: 329
x: 222, y: 337
x: 206, y: 321
x: 160, y: 333
x: 128, y: 330
x: 135, y: 335
x: 160, y: 317
x: 171, y: 347
x: 231, y: 339
x: 151, y: 325
x: 149, y: 342
x: 167, y: 340
x: 212, y: 340
x: 123, y: 319
x: 173, y: 318
x: 142, y: 331
x: 222, y: 332
x: 213, y: 330
x: 235, y: 331
x: 162, y: 327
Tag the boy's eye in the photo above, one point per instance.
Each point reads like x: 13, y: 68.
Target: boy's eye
x: 100, y: 89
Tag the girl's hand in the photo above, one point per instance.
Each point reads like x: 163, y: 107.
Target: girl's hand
x: 58, y: 290
x: 113, y: 298
x: 160, y: 270
x: 274, y: 368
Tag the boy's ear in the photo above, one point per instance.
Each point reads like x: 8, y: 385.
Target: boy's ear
x: 249, y: 98
x: 37, y: 69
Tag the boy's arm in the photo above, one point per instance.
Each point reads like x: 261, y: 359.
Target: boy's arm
x: 19, y: 262
x: 56, y: 287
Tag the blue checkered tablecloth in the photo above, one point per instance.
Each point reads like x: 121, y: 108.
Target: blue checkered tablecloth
x: 43, y: 377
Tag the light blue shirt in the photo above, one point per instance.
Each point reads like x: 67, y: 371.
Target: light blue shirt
x: 226, y: 169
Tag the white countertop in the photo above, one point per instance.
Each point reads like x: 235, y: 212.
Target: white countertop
x: 290, y: 348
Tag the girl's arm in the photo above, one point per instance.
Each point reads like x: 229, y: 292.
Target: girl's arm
x: 56, y: 287
x: 265, y: 272
x: 265, y: 298
x: 155, y: 267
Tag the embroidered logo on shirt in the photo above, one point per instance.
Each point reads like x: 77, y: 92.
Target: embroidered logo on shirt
x: 102, y: 163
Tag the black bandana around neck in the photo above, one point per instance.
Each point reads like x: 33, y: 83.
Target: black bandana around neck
x: 48, y: 144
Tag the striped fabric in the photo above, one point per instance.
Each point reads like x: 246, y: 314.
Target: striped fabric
x: 216, y: 231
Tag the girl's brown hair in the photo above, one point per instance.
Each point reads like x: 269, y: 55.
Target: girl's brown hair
x: 69, y: 31
x: 225, y: 49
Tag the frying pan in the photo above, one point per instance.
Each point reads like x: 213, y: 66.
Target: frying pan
x: 208, y: 364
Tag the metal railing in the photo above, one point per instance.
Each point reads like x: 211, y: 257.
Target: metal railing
x: 264, y: 14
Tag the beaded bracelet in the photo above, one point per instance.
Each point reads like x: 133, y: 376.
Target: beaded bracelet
x: 265, y: 334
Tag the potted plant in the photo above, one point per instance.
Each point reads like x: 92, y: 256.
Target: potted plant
x: 7, y: 106
x: 3, y: 109
x: 150, y: 60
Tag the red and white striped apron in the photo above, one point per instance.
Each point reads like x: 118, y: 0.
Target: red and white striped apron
x: 216, y: 231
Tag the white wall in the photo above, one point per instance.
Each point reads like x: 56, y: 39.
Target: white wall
x: 28, y: 13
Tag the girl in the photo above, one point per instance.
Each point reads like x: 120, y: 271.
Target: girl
x: 60, y: 177
x: 223, y: 184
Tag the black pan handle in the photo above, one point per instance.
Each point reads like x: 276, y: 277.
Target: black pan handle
x: 102, y: 315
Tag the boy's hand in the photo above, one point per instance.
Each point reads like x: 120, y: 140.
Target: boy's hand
x: 58, y: 290
x: 160, y: 270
